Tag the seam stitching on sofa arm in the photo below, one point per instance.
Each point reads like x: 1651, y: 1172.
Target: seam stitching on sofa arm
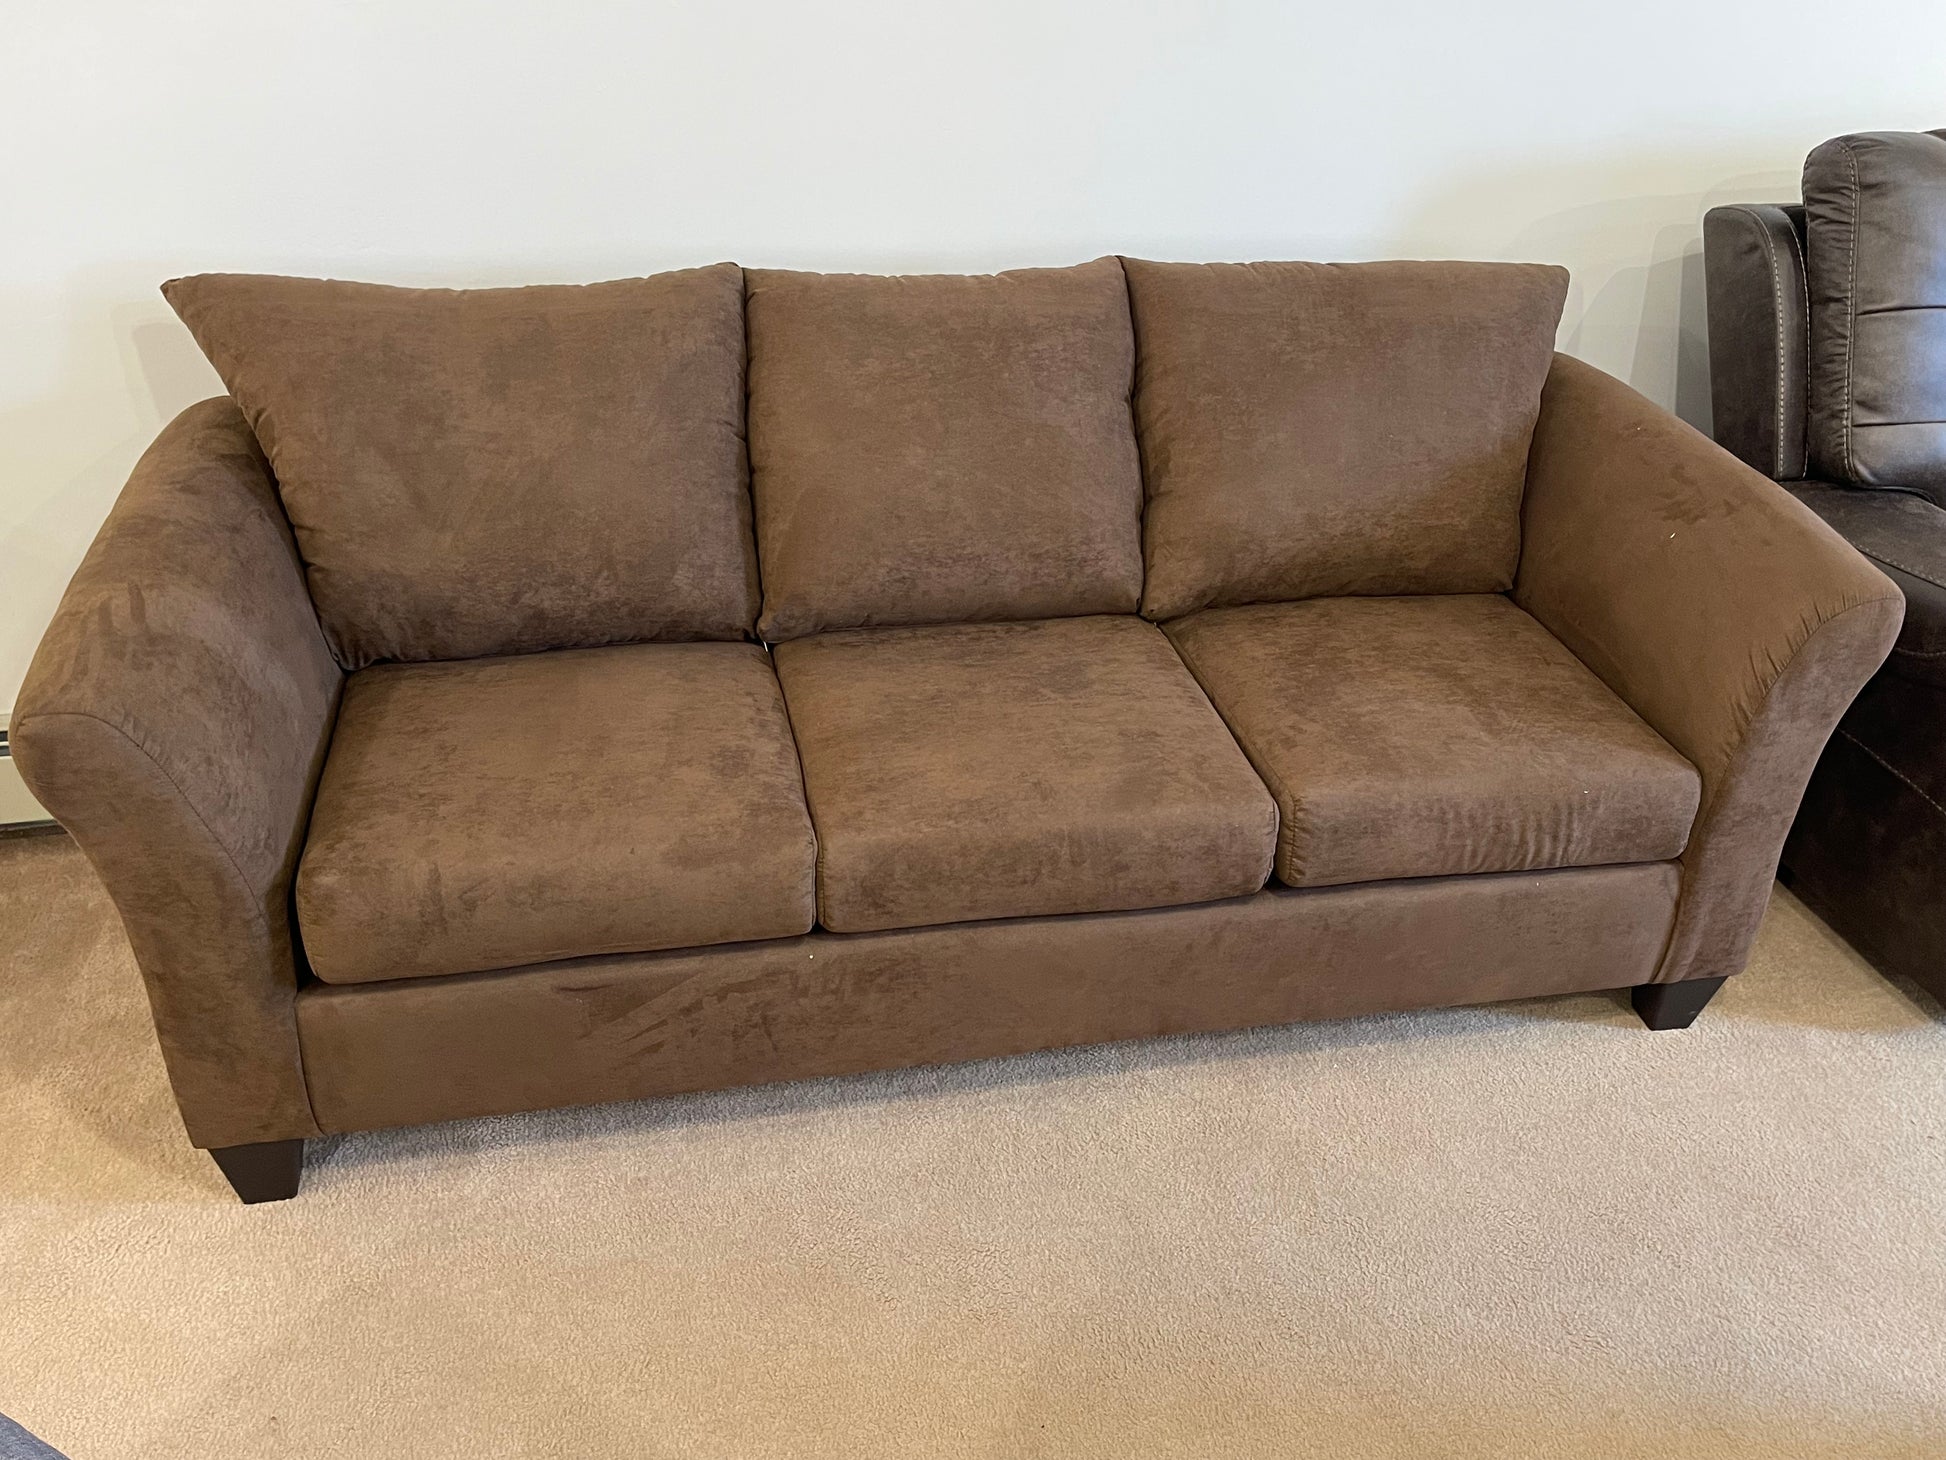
x: 1816, y: 629
x: 1911, y: 784
x: 1742, y: 736
x: 255, y: 901
x: 1712, y: 785
x: 209, y: 831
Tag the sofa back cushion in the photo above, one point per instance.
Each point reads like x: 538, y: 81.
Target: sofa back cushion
x: 493, y: 471
x: 1315, y: 429
x: 942, y: 448
x: 1875, y: 271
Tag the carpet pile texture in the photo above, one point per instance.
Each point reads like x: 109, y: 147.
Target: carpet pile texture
x: 1533, y: 1229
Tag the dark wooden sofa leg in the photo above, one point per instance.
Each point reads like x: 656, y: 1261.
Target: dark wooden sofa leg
x: 267, y: 1171
x: 1673, y: 1005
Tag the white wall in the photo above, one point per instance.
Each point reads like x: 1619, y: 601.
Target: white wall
x: 419, y: 141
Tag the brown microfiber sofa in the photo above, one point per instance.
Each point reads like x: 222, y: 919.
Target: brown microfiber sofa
x: 1151, y: 647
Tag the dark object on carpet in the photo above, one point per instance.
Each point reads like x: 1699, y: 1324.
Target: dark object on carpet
x: 17, y: 1444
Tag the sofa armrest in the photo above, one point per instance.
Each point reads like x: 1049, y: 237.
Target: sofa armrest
x: 1759, y: 332
x: 174, y: 720
x: 1719, y: 607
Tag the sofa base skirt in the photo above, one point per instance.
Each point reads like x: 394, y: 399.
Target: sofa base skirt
x: 595, y: 1030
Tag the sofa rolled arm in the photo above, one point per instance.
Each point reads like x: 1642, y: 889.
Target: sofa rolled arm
x: 174, y: 721
x: 1719, y: 608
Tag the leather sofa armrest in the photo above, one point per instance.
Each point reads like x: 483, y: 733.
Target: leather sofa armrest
x: 1754, y: 277
x: 174, y: 720
x: 1717, y: 606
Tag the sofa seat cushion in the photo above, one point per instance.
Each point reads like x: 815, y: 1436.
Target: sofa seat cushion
x: 509, y: 811
x: 1415, y: 737
x: 1009, y: 770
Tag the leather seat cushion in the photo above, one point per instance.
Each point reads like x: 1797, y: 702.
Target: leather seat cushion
x: 1906, y: 536
x: 1416, y: 737
x: 499, y: 812
x: 1011, y: 770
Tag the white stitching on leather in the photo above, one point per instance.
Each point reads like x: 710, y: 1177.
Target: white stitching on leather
x: 1851, y: 313
x: 1910, y: 783
x: 1804, y: 303
x: 1921, y: 574
x: 1777, y: 321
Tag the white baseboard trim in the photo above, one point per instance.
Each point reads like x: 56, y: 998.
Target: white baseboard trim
x: 17, y: 805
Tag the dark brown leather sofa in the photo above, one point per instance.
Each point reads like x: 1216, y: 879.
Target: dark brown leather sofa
x: 517, y: 698
x: 1828, y: 367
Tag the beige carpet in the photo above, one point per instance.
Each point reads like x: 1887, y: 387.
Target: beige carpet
x: 1528, y: 1230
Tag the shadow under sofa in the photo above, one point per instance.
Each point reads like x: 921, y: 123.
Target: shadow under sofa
x: 517, y: 698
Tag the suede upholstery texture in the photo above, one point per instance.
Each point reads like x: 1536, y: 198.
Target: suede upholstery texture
x: 1415, y: 737
x: 499, y: 811
x: 626, y: 1028
x: 1013, y: 770
x: 174, y: 720
x: 1718, y: 607
x: 494, y: 471
x: 1318, y: 429
x: 943, y: 448
x: 1022, y: 825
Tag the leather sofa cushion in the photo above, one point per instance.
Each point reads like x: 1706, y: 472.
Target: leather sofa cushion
x: 496, y: 812
x: 1415, y: 737
x: 1012, y: 770
x: 1312, y: 429
x: 492, y: 471
x: 1905, y: 535
x: 942, y: 449
x: 1875, y: 269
